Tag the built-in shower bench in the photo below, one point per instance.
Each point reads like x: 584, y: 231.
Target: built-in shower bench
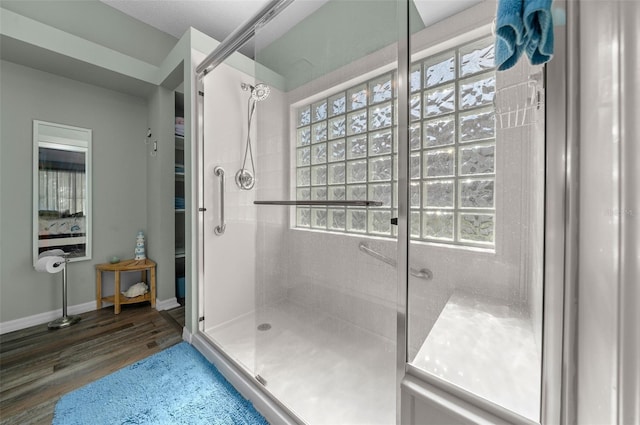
x: 488, y: 349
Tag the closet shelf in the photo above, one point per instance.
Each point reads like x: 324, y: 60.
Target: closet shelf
x: 179, y: 142
x: 180, y: 181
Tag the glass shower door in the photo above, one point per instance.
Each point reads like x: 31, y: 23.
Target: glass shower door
x: 476, y: 215
x: 229, y: 219
x: 301, y: 281
x: 325, y: 139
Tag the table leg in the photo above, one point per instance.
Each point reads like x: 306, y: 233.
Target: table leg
x: 116, y: 296
x: 98, y: 289
x: 153, y: 287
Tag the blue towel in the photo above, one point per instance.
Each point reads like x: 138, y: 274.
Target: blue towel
x: 510, y: 33
x: 538, y: 25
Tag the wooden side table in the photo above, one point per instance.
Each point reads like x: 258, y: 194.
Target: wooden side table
x: 147, y: 269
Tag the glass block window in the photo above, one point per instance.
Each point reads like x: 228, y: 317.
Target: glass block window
x: 346, y: 150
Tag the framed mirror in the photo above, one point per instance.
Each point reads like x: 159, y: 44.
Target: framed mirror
x: 61, y: 190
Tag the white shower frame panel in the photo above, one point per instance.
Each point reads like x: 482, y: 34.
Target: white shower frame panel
x: 230, y: 257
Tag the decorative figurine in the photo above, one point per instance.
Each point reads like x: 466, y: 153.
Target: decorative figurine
x: 139, y: 251
x: 136, y: 290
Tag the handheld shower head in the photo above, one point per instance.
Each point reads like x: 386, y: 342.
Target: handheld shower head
x: 245, y: 179
x: 259, y: 92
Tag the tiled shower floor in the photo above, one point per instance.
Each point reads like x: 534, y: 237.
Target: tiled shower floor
x: 324, y: 369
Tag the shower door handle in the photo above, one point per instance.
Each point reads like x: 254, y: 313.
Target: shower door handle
x: 219, y: 229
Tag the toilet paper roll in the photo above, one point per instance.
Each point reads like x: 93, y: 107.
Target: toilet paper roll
x: 51, y: 264
x: 52, y: 253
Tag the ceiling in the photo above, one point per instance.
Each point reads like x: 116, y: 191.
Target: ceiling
x: 218, y: 18
x: 215, y: 18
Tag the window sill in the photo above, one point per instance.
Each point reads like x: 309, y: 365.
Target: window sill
x: 414, y: 243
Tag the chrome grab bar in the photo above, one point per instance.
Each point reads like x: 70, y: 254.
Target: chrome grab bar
x: 390, y: 261
x: 219, y: 229
x: 323, y: 203
x: 425, y: 274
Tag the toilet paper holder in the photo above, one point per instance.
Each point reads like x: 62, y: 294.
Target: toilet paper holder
x: 65, y: 320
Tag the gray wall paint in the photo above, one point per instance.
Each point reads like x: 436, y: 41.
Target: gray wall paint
x: 119, y: 123
x: 95, y: 21
x: 160, y: 191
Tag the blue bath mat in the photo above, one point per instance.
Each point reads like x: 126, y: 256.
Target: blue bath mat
x: 175, y: 386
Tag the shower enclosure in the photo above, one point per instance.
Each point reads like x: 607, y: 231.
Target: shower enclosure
x: 372, y: 204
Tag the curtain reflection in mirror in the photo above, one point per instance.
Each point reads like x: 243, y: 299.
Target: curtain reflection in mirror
x: 61, y: 189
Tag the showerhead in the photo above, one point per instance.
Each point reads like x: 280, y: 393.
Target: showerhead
x: 259, y: 92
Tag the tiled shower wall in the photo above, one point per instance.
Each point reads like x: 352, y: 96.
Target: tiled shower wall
x: 272, y: 183
x: 326, y: 271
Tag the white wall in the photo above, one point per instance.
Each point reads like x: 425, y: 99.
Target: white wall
x: 118, y: 122
x: 273, y: 249
x: 229, y: 263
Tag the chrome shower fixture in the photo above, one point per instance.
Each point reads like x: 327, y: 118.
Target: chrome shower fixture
x: 259, y: 92
x: 245, y: 178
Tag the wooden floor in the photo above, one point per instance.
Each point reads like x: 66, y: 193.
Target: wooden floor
x: 38, y: 365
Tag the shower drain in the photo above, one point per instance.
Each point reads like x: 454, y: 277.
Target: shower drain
x: 264, y: 327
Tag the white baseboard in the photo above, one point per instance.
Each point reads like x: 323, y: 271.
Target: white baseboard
x: 38, y: 319
x: 167, y: 304
x: 187, y: 336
